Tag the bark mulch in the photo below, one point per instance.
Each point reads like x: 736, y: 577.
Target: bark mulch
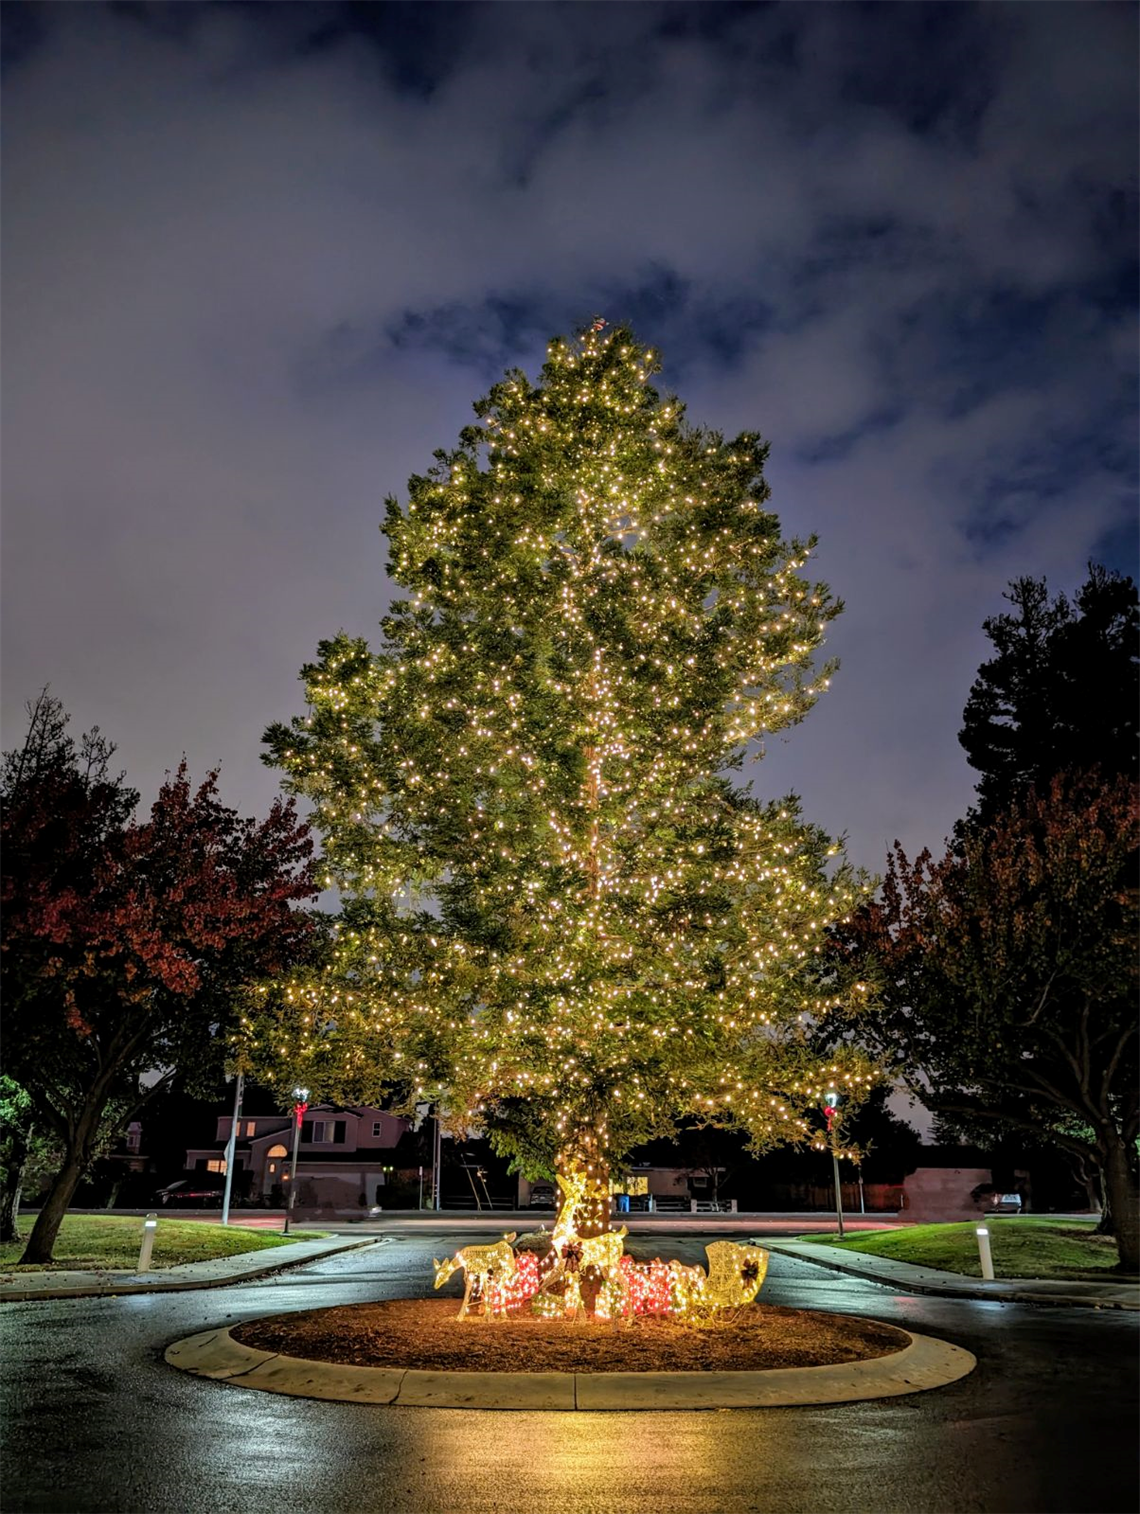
x: 424, y: 1333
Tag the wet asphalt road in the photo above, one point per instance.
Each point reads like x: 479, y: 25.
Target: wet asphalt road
x: 95, y: 1421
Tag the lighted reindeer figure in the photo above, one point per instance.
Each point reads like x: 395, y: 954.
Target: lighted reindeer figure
x: 570, y: 1253
x: 478, y: 1263
x: 573, y: 1186
x: 575, y: 1254
x: 686, y: 1288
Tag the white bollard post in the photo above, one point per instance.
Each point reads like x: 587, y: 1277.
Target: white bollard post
x: 150, y: 1225
x: 985, y: 1256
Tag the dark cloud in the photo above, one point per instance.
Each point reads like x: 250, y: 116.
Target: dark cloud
x: 259, y: 260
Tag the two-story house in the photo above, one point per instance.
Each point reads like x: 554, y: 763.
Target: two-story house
x: 345, y: 1157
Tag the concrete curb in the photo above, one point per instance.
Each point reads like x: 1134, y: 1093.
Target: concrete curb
x: 925, y: 1363
x: 112, y: 1287
x: 913, y: 1279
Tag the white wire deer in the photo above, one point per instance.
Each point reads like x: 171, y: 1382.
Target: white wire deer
x: 478, y: 1263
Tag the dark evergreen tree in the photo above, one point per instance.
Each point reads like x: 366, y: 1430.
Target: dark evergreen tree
x: 1062, y: 693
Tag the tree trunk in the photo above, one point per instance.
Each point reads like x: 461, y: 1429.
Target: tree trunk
x: 41, y: 1242
x: 18, y: 1142
x: 1123, y: 1194
x: 77, y: 1159
x: 584, y: 1179
x: 1092, y: 1194
x: 1088, y: 1175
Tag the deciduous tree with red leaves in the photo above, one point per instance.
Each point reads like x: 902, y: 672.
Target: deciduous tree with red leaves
x: 1007, y: 975
x: 126, y: 940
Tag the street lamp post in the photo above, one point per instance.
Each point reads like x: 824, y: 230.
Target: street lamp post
x: 436, y: 1153
x: 831, y: 1101
x: 231, y: 1150
x: 300, y: 1104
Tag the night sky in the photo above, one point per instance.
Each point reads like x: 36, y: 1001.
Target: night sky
x: 258, y: 262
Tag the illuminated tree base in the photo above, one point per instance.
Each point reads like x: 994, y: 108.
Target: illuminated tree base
x: 591, y: 1275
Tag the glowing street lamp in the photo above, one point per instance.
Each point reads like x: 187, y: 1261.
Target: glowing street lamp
x: 300, y: 1104
x: 831, y: 1102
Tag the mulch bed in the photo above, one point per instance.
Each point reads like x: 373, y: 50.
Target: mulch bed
x: 424, y: 1333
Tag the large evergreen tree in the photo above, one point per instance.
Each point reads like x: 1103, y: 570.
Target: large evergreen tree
x: 1061, y: 693
x: 559, y: 910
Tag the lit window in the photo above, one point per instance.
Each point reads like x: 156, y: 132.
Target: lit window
x: 250, y: 1127
x: 216, y: 1164
x: 277, y: 1151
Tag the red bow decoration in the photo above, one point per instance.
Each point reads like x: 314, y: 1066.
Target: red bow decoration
x: 572, y: 1256
x: 750, y: 1272
x: 299, y: 1109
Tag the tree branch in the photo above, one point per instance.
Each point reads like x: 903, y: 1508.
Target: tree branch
x: 1072, y: 1143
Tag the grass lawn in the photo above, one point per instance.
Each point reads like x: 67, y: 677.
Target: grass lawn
x: 113, y: 1240
x: 1022, y: 1246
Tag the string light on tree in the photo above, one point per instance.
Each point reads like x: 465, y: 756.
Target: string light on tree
x: 564, y: 913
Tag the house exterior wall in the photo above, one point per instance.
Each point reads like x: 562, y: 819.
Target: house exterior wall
x: 370, y: 1133
x: 360, y: 1133
x: 665, y: 1182
x: 943, y: 1193
x: 661, y: 1182
x: 339, y: 1186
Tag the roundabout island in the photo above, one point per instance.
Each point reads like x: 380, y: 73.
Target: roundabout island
x: 580, y: 1325
x: 416, y: 1353
x: 893, y: 1362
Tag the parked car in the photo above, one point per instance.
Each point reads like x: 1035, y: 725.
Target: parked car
x: 542, y: 1196
x: 188, y: 1194
x: 1005, y: 1203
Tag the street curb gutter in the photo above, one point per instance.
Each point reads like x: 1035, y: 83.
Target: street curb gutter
x: 836, y: 1261
x: 924, y: 1363
x: 181, y: 1285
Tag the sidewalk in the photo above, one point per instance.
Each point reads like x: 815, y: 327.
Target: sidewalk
x: 18, y: 1287
x: 1014, y: 1290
